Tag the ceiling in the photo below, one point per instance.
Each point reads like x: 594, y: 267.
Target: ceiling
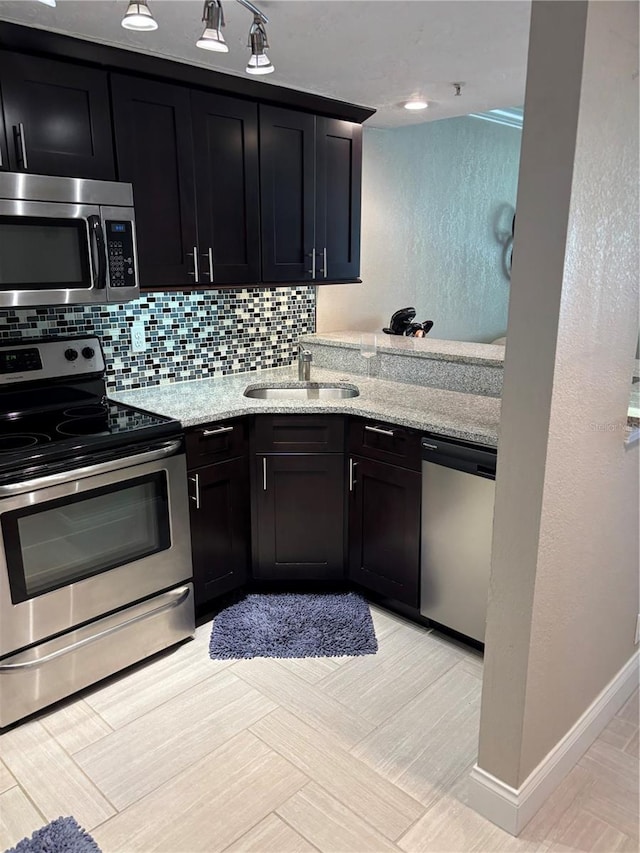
x: 377, y: 53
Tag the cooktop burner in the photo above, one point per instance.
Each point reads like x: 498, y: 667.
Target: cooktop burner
x: 21, y: 440
x: 86, y: 411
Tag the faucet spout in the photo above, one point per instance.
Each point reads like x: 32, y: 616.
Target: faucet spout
x: 304, y: 364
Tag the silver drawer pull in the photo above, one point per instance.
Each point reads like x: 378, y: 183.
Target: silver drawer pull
x: 264, y: 473
x: 380, y: 431
x: 196, y: 497
x: 169, y: 448
x: 207, y: 433
x: 429, y: 446
x: 178, y: 597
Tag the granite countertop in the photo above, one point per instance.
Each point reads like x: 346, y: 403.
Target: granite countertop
x: 466, y: 416
x: 465, y: 352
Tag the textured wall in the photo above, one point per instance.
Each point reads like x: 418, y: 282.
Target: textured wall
x: 437, y: 204
x: 564, y: 585
x: 189, y: 335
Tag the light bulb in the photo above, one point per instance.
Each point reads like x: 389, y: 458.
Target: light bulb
x: 51, y: 3
x: 212, y: 40
x: 259, y: 64
x: 416, y: 105
x: 138, y: 17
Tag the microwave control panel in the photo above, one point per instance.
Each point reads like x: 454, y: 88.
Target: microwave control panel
x: 122, y: 271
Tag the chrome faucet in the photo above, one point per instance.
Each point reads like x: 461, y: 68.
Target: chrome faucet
x: 304, y: 364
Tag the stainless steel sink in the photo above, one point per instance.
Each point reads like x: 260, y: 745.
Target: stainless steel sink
x: 314, y: 391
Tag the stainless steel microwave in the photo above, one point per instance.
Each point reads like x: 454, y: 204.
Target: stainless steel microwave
x: 66, y: 241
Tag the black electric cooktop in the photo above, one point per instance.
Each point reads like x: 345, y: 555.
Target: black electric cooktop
x: 54, y: 414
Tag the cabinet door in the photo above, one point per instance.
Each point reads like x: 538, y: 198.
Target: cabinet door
x: 57, y: 117
x: 338, y: 186
x: 155, y: 153
x: 225, y: 132
x: 299, y: 517
x: 219, y: 527
x: 287, y: 173
x: 384, y: 530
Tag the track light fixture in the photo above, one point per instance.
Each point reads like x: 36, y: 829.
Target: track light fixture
x: 259, y: 63
x: 138, y: 17
x: 213, y: 17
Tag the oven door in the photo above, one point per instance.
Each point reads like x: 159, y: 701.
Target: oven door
x: 79, y: 545
x: 51, y: 254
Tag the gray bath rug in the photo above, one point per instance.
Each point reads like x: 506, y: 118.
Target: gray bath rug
x: 63, y: 835
x: 294, y: 625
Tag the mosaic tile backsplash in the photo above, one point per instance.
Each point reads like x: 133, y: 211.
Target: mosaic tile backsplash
x: 189, y: 335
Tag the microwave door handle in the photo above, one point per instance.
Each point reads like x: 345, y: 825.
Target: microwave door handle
x: 100, y: 276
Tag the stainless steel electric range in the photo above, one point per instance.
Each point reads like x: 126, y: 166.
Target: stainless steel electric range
x: 95, y: 555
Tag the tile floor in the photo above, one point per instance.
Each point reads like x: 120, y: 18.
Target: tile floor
x: 186, y: 754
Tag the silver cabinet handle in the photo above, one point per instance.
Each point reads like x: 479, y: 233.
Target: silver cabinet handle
x: 210, y: 256
x: 380, y: 431
x: 178, y: 597
x: 430, y: 446
x: 196, y: 497
x: 195, y: 274
x: 206, y: 433
x: 313, y: 264
x: 20, y: 137
x: 264, y: 473
x: 352, y: 474
x: 324, y: 262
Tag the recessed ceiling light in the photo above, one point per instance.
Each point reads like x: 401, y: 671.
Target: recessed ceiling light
x: 416, y: 105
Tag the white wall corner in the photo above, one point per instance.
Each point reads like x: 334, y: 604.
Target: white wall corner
x: 511, y: 809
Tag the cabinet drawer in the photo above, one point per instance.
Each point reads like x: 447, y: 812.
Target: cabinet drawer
x: 216, y: 442
x: 386, y: 442
x: 299, y: 434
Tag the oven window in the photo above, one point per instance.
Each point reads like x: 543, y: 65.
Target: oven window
x: 38, y: 253
x: 56, y: 543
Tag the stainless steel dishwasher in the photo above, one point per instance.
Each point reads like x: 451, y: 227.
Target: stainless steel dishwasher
x: 458, y: 488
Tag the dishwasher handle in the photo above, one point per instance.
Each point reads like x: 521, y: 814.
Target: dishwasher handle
x: 473, y: 459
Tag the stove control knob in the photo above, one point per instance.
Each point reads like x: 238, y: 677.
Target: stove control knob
x: 71, y: 354
x: 88, y: 352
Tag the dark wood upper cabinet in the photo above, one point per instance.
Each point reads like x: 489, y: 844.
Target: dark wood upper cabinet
x: 225, y: 134
x: 310, y: 183
x: 57, y: 117
x: 287, y: 178
x: 152, y: 123
x: 338, y: 190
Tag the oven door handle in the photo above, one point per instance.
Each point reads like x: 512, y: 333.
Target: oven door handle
x: 95, y: 229
x: 167, y: 449
x: 178, y: 597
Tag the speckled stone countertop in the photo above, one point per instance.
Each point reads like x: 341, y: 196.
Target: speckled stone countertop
x: 461, y: 351
x: 465, y: 416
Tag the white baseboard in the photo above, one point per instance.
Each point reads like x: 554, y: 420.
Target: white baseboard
x: 511, y: 808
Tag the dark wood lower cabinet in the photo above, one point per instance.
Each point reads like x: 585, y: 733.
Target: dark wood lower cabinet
x: 384, y: 530
x: 299, y: 521
x: 220, y: 527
